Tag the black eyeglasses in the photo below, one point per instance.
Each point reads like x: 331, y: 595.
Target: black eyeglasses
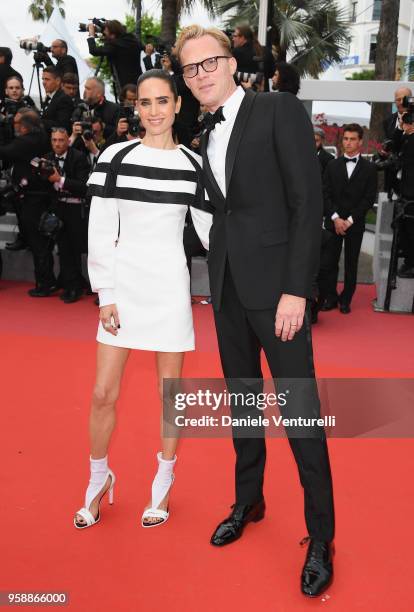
x: 209, y: 65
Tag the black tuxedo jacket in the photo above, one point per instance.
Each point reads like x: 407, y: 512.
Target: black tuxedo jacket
x: 64, y: 65
x: 354, y: 196
x: 269, y: 225
x: 58, y: 112
x: 76, y: 171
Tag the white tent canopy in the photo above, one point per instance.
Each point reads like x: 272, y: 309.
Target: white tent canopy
x: 340, y: 112
x: 56, y: 28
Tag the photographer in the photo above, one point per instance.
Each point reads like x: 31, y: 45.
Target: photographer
x: 255, y: 64
x: 128, y: 126
x: 57, y: 108
x: 6, y: 71
x: 68, y: 202
x: 32, y: 195
x: 65, y: 63
x: 14, y: 96
x: 99, y: 106
x: 121, y: 48
x: 90, y: 142
x: 286, y: 78
x: 403, y: 144
x: 150, y: 58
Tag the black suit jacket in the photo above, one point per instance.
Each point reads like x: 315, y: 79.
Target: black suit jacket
x: 148, y: 62
x: 109, y: 113
x: 124, y: 53
x: 324, y: 158
x: 64, y: 65
x: 58, y: 112
x: 20, y: 152
x: 269, y: 225
x: 389, y: 125
x: 76, y: 171
x: 349, y: 197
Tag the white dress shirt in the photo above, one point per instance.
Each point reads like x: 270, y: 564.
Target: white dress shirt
x: 349, y: 168
x: 220, y: 136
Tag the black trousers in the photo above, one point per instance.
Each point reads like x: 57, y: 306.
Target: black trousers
x: 72, y: 242
x: 353, y: 241
x: 241, y: 335
x: 41, y: 246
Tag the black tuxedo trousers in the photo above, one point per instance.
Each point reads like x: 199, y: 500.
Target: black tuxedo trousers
x: 242, y: 334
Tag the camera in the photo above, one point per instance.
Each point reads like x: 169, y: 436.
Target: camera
x: 84, y: 116
x: 8, y: 192
x: 408, y: 116
x: 43, y: 167
x: 389, y: 160
x: 98, y: 23
x: 131, y: 115
x: 8, y: 111
x: 29, y: 44
x: 255, y: 78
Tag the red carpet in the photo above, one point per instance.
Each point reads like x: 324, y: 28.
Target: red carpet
x: 48, y: 354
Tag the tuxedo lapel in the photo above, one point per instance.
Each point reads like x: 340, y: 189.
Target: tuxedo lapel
x: 236, y: 134
x: 342, y: 171
x: 207, y: 167
x: 357, y: 168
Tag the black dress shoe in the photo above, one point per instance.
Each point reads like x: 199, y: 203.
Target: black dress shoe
x: 71, y: 295
x: 232, y: 527
x: 17, y: 245
x: 405, y: 271
x: 344, y: 308
x: 42, y: 291
x: 317, y: 573
x: 329, y: 305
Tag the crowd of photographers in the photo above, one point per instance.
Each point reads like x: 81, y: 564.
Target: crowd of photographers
x: 48, y: 153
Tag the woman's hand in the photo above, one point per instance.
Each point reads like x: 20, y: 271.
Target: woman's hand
x: 109, y: 318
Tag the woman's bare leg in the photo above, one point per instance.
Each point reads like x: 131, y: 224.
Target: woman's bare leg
x: 110, y: 365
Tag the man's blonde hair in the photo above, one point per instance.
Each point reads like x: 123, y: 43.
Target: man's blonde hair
x: 195, y: 31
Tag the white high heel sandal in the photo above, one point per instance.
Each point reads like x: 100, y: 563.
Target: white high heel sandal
x: 161, y: 485
x: 99, y: 475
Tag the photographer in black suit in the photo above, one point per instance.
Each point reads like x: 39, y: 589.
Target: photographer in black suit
x: 94, y: 96
x: 121, y: 48
x: 69, y: 187
x: 263, y: 181
x: 57, y: 107
x: 64, y: 63
x: 390, y: 125
x: 350, y: 189
x: 32, y: 197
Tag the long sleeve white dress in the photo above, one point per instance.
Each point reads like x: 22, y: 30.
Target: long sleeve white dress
x: 136, y: 255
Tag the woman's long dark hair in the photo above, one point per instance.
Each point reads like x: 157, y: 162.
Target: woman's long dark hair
x: 156, y: 73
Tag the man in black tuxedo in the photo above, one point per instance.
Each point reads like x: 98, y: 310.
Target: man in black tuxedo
x: 350, y: 189
x: 151, y: 59
x: 323, y: 155
x: 57, y: 107
x: 263, y: 180
x: 68, y: 197
x: 94, y: 96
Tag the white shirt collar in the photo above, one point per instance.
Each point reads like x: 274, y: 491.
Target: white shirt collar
x: 232, y: 104
x: 353, y: 157
x: 63, y: 156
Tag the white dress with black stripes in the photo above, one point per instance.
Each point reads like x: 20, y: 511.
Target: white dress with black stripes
x: 136, y: 253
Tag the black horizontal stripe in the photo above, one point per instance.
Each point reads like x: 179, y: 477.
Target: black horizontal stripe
x: 155, y: 197
x: 150, y: 172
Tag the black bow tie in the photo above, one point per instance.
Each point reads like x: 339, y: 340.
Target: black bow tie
x: 60, y: 159
x: 351, y: 159
x: 210, y: 120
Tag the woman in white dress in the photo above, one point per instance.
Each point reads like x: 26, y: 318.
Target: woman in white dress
x: 141, y: 192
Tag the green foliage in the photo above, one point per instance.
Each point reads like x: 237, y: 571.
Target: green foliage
x: 41, y: 10
x: 312, y: 33
x: 150, y: 27
x: 364, y: 75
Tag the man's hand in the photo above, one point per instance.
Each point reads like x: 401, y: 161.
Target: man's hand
x: 347, y: 224
x: 55, y: 177
x: 109, y: 318
x: 92, y: 30
x: 122, y: 127
x: 408, y: 128
x: 289, y: 316
x: 91, y: 146
x: 341, y: 226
